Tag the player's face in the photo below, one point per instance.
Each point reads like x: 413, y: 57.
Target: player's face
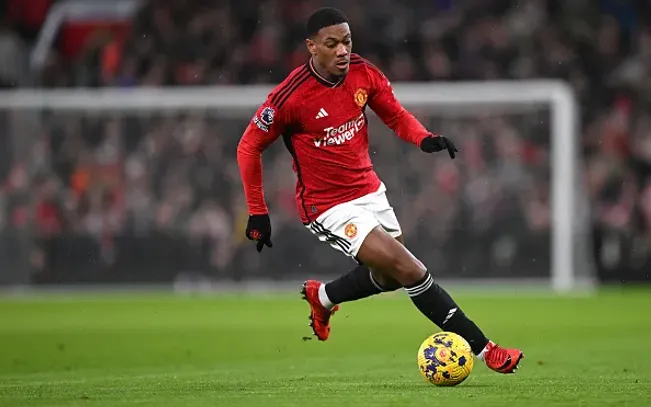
x: 331, y: 48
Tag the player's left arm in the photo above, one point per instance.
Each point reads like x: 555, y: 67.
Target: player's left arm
x: 384, y: 103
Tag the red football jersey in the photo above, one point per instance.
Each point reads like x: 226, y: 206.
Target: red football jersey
x: 324, y: 126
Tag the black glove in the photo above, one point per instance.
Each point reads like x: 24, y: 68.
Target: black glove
x: 435, y: 144
x: 258, y: 228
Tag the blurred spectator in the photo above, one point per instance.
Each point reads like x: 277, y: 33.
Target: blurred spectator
x: 13, y: 57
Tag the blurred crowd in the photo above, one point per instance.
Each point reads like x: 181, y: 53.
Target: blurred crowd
x: 118, y: 176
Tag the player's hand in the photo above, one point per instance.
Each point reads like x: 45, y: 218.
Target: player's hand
x: 433, y: 144
x: 258, y: 228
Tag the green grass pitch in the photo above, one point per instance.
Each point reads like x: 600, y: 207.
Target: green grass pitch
x: 247, y: 350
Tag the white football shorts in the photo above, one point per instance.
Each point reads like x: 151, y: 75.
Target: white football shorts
x: 345, y: 226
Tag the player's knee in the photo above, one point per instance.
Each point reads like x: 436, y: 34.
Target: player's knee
x: 386, y: 282
x: 380, y: 251
x: 408, y: 270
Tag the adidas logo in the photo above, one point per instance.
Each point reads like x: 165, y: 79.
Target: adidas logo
x: 322, y: 113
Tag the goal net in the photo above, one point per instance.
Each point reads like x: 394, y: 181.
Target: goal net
x: 142, y: 186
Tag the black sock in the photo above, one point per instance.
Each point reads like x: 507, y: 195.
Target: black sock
x: 437, y: 305
x: 356, y: 284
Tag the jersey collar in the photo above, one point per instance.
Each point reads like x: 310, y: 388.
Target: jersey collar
x: 320, y: 77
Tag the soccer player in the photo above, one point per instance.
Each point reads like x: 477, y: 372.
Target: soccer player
x: 319, y: 110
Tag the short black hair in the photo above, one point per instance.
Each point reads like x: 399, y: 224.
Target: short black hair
x: 324, y: 17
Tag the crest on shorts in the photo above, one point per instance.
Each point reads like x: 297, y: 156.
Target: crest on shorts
x: 361, y: 96
x: 350, y: 230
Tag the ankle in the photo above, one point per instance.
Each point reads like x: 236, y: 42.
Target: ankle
x: 324, y: 299
x: 483, y: 352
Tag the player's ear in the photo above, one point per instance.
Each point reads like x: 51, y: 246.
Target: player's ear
x: 311, y: 46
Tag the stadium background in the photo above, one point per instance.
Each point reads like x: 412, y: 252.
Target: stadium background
x: 126, y: 198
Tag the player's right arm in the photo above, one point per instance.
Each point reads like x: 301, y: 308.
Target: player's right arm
x: 265, y: 127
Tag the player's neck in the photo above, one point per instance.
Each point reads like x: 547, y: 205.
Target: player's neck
x: 324, y: 73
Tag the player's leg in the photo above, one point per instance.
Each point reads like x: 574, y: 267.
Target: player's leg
x: 344, y: 227
x: 372, y: 210
x: 362, y: 215
x: 359, y: 283
x: 384, y: 278
x: 382, y: 252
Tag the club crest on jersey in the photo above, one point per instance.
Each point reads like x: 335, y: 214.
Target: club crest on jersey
x: 265, y: 119
x: 361, y: 96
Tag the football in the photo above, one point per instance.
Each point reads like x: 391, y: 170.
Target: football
x: 445, y: 359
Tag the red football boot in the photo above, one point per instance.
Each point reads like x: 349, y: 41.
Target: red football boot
x: 502, y: 360
x: 320, y: 315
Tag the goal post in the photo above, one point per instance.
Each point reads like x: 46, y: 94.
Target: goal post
x: 569, y: 261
